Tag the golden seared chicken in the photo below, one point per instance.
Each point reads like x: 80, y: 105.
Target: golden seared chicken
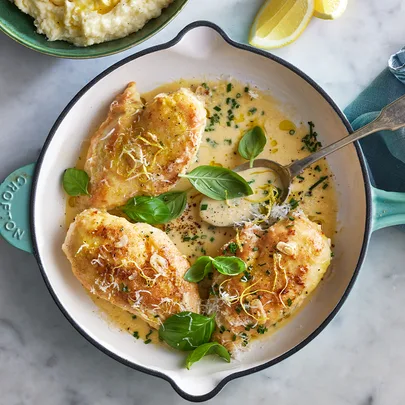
x: 141, y: 149
x: 285, y: 263
x: 134, y: 266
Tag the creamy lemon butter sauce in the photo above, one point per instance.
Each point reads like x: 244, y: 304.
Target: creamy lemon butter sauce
x: 263, y: 182
x: 232, y: 109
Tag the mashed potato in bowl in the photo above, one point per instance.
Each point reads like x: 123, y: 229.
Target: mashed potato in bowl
x: 88, y: 22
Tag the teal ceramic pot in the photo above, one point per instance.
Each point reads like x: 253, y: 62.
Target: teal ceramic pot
x: 32, y: 203
x: 20, y: 27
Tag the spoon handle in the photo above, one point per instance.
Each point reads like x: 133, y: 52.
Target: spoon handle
x: 392, y: 117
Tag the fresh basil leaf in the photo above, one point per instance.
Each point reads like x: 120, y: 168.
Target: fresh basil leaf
x: 206, y: 349
x: 75, y: 182
x: 229, y: 265
x: 147, y: 209
x: 218, y: 183
x: 187, y: 330
x: 176, y: 202
x: 252, y: 144
x: 199, y: 269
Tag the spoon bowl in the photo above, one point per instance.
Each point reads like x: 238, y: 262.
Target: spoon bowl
x: 392, y: 117
x: 282, y: 172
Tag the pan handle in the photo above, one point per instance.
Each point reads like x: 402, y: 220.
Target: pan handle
x: 388, y: 208
x: 15, y: 193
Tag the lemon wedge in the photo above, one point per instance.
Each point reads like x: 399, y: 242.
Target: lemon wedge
x: 329, y: 9
x: 280, y: 22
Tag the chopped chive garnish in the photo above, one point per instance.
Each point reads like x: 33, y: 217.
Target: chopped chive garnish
x: 321, y: 180
x: 124, y: 288
x: 238, y: 95
x: 147, y: 341
x: 252, y: 111
x: 136, y: 335
x: 291, y: 218
x: 300, y: 178
x: 246, y: 277
x: 294, y: 203
x: 203, y: 207
x: 229, y: 87
x: 326, y: 185
x: 134, y: 317
x: 228, y: 124
x: 217, y: 108
x: 246, y: 89
x: 291, y: 132
x: 317, y: 168
x: 289, y: 302
x: 310, y: 140
x: 233, y: 247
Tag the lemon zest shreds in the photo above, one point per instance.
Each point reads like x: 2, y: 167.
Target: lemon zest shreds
x: 149, y: 280
x: 286, y: 280
x: 262, y: 171
x: 243, y: 295
x: 275, y: 272
x: 238, y: 242
x: 246, y: 293
x: 150, y: 143
x: 145, y: 172
x: 226, y: 199
x: 271, y: 197
x: 155, y: 156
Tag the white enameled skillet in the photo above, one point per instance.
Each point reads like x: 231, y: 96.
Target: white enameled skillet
x: 201, y: 50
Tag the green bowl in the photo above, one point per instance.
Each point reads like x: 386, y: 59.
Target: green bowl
x: 21, y: 28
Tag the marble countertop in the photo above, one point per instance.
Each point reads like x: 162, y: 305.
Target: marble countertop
x: 359, y: 359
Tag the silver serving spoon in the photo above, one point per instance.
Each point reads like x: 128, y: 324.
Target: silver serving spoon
x: 392, y: 117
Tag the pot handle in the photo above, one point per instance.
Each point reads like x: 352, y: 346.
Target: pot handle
x: 388, y: 208
x: 15, y: 192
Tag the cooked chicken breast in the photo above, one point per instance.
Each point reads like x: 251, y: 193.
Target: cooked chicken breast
x: 134, y: 266
x: 285, y: 263
x: 141, y: 149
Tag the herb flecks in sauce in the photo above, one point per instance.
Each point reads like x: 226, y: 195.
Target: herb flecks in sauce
x: 310, y: 140
x: 284, y: 149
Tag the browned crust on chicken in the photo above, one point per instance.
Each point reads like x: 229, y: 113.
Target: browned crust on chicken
x: 134, y: 266
x: 285, y: 263
x: 140, y: 149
